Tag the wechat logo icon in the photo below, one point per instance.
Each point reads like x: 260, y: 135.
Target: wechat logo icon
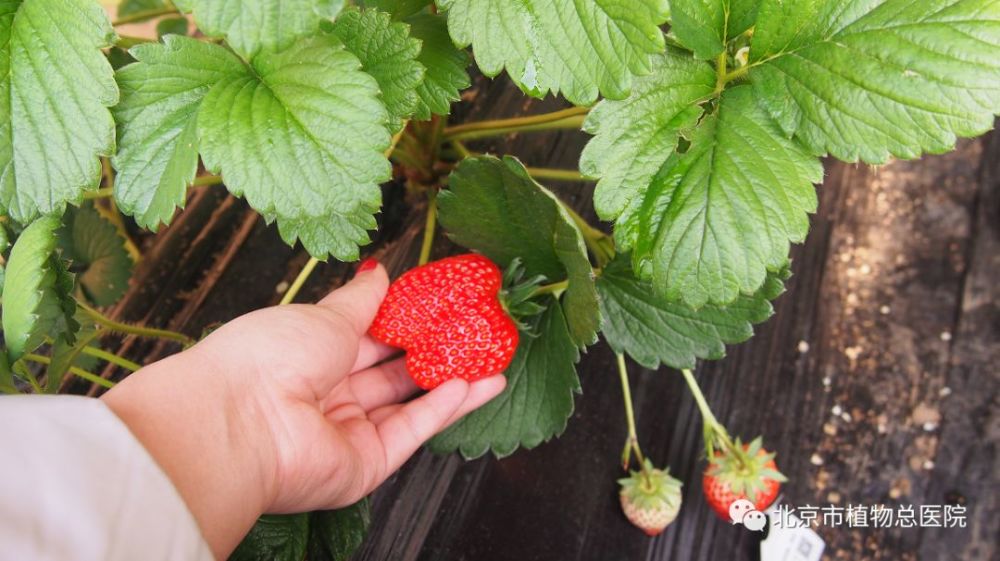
x: 743, y: 512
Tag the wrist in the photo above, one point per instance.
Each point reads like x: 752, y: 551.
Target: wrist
x: 207, y: 438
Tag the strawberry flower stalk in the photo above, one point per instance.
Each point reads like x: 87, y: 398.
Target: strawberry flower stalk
x: 650, y: 497
x: 735, y: 470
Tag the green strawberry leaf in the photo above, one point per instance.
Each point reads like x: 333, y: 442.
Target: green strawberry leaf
x: 250, y: 26
x: 636, y: 135
x: 337, y: 235
x: 580, y: 49
x: 705, y: 26
x: 158, y: 114
x: 58, y: 85
x: 97, y: 255
x: 37, y: 291
x: 536, y: 403
x: 494, y: 207
x: 388, y: 54
x: 652, y: 330
x: 719, y: 216
x: 446, y: 66
x: 318, y: 163
x: 334, y: 535
x: 275, y: 538
x: 864, y: 79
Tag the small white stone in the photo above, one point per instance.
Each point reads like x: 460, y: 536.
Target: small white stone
x: 884, y: 310
x: 853, y: 352
x: 866, y: 269
x: 882, y: 428
x: 928, y: 465
x: 282, y: 287
x: 827, y: 381
x: 803, y: 347
x: 837, y: 410
x: 946, y: 336
x: 944, y: 392
x: 930, y: 427
x: 816, y: 460
x: 846, y: 417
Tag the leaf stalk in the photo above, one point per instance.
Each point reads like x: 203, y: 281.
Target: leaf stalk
x: 78, y: 372
x: 556, y: 289
x: 571, y: 118
x: 112, y: 358
x: 130, y: 329
x: 299, y: 282
x: 557, y: 174
x: 144, y: 15
x: 430, y: 227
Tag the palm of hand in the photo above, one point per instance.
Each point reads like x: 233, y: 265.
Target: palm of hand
x: 333, y: 411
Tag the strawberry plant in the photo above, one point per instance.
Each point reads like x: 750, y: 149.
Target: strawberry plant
x: 708, y: 121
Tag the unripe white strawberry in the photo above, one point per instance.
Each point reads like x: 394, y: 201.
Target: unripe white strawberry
x: 650, y: 498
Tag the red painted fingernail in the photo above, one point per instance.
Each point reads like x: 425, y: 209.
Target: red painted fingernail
x: 368, y: 265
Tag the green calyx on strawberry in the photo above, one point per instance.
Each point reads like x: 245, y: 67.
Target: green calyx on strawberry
x: 518, y: 295
x: 741, y: 471
x: 449, y: 318
x: 650, y: 498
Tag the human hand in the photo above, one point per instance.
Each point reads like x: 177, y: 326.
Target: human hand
x: 287, y: 409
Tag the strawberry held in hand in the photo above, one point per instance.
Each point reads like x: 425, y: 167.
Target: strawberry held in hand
x: 448, y: 317
x: 741, y: 471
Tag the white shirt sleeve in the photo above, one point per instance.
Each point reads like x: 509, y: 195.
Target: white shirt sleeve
x: 76, y: 484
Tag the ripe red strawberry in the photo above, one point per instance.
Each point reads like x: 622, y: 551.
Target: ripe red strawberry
x: 650, y: 498
x: 448, y: 317
x: 744, y: 471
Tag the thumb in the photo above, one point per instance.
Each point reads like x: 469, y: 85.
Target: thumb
x: 358, y: 301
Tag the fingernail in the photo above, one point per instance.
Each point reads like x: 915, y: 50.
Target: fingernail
x: 367, y: 265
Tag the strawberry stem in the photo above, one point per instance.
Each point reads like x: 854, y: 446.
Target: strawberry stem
x: 78, y: 372
x: 144, y: 15
x: 632, y: 442
x: 299, y: 281
x: 715, y: 433
x: 566, y: 119
x: 553, y: 174
x: 129, y: 329
x: 99, y: 194
x: 555, y: 288
x: 461, y: 149
x: 599, y: 243
x: 395, y: 141
x: 23, y: 371
x: 112, y: 358
x: 720, y: 72
x: 429, y: 227
x: 206, y: 181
